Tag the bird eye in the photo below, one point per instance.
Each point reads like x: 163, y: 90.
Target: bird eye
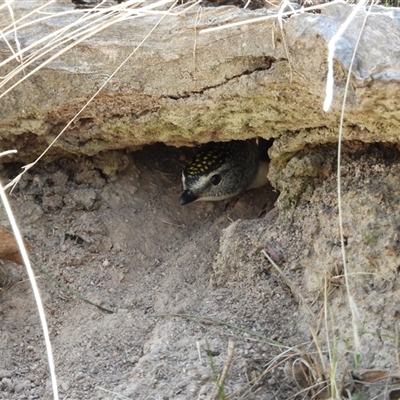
x: 215, y: 179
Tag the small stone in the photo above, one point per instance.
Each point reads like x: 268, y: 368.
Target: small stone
x: 81, y: 199
x: 131, y: 390
x: 59, y: 178
x: 65, y: 386
x: 4, y: 373
x: 79, y: 376
x: 6, y: 383
x: 193, y: 389
x: 134, y: 359
x: 21, y: 386
x: 95, y: 315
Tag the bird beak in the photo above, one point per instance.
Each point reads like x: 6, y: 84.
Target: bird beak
x: 187, y: 197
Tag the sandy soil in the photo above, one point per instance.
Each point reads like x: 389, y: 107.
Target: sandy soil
x: 125, y: 244
x: 181, y: 282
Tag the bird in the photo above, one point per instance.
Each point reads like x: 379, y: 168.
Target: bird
x: 222, y: 170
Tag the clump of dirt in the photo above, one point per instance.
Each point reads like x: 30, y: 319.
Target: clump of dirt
x: 125, y: 244
x: 357, y: 317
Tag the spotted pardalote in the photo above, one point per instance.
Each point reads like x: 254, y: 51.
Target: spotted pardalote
x: 223, y: 170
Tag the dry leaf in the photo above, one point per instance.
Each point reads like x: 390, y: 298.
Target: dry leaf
x: 8, y: 247
x: 307, y: 374
x: 373, y: 375
x: 300, y: 372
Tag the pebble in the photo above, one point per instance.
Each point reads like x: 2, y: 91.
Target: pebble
x: 21, y: 386
x: 95, y: 315
x: 193, y: 389
x: 4, y: 373
x: 65, y: 386
x: 106, y: 263
x: 6, y: 383
x: 79, y: 376
x: 131, y: 390
x: 134, y: 359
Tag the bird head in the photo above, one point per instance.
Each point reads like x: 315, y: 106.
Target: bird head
x: 218, y: 172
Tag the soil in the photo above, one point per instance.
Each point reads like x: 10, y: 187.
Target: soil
x: 125, y: 244
x: 177, y: 284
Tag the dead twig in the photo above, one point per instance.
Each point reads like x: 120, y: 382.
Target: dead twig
x: 172, y: 224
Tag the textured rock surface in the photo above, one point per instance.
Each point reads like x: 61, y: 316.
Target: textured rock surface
x: 241, y: 82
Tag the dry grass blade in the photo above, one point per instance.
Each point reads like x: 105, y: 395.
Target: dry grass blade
x: 7, y: 152
x: 331, y: 53
x: 10, y: 10
x: 267, y: 17
x: 119, y: 396
x: 274, y: 363
x: 74, y: 43
x: 351, y: 302
x: 319, y: 351
x: 70, y: 291
x: 35, y: 290
x: 225, y: 371
x: 308, y: 374
x: 222, y: 323
x: 60, y: 41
